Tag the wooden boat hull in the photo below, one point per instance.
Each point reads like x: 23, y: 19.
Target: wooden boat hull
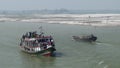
x: 77, y: 38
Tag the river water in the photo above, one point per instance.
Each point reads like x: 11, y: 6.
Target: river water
x: 105, y: 53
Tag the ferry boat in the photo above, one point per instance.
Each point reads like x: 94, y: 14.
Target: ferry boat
x: 35, y: 43
x: 87, y: 38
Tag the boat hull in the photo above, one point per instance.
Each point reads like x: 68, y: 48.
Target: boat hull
x: 47, y: 52
x: 77, y: 38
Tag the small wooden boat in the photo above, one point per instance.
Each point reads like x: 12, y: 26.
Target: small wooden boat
x: 88, y: 38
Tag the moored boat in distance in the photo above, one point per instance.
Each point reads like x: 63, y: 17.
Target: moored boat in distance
x: 87, y: 38
x: 35, y: 43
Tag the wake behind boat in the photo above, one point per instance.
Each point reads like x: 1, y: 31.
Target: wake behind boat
x: 35, y: 43
x: 88, y: 38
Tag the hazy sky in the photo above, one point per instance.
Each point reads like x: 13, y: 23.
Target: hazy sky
x: 57, y: 4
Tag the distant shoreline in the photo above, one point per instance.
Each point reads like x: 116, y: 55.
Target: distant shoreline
x: 75, y: 19
x: 62, y: 11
